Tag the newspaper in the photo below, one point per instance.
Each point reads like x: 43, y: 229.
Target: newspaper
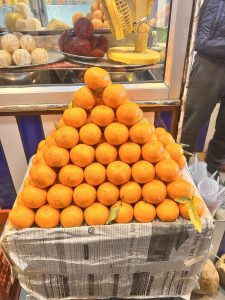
x: 157, y: 259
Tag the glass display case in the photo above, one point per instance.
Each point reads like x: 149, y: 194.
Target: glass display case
x: 142, y: 46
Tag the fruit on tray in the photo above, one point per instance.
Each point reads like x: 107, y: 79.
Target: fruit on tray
x: 21, y: 57
x: 11, y: 20
x: 56, y: 24
x: 39, y: 56
x: 81, y: 40
x: 28, y: 25
x: 105, y: 163
x: 5, y: 58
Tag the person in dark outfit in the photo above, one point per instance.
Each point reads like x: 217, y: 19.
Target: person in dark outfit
x: 207, y: 83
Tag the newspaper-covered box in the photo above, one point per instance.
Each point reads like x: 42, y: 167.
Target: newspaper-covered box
x: 158, y: 259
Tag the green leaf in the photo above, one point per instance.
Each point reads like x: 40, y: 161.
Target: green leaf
x: 113, y: 213
x: 183, y: 200
x: 56, y: 125
x: 193, y: 214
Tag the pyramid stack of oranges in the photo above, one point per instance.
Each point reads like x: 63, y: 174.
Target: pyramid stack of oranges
x: 103, y: 155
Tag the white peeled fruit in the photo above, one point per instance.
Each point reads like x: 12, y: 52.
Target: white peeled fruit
x: 22, y: 57
x: 28, y: 42
x: 10, y: 43
x: 5, y: 58
x: 39, y: 56
x: 22, y: 9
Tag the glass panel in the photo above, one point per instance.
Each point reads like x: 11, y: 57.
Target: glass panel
x: 129, y: 40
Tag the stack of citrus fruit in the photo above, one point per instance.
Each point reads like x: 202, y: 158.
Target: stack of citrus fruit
x: 104, y: 159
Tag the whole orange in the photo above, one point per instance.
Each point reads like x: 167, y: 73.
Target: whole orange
x: 130, y: 152
x: 108, y: 193
x: 47, y: 217
x: 66, y: 137
x: 159, y: 130
x: 130, y: 192
x: 84, y: 195
x: 143, y: 171
x: 71, y: 175
x: 153, y: 137
x: 50, y: 141
x: 74, y: 117
x: 28, y: 181
x: 38, y: 157
x: 21, y: 217
x: 153, y: 151
x: 96, y: 78
x: 114, y: 95
x: 56, y: 156
x: 41, y: 145
x: 129, y: 113
x: 198, y: 203
x: 96, y: 214
x: 71, y: 216
x: 105, y: 153
x: 33, y: 197
x: 141, y: 132
x: 126, y: 212
x: 82, y: 155
x: 102, y: 115
x: 116, y: 133
x: 180, y: 188
x: 90, y: 134
x: 61, y: 123
x: 166, y: 155
x: 154, y: 192
x: 118, y: 172
x: 167, y: 210
x: 175, y: 150
x: 84, y: 97
x: 167, y: 170
x: 166, y: 138
x: 95, y: 174
x: 59, y: 196
x: 144, y: 212
x: 182, y: 162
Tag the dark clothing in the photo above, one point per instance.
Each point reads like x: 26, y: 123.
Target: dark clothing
x: 206, y: 88
x: 210, y: 38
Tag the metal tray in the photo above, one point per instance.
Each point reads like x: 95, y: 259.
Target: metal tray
x: 80, y: 57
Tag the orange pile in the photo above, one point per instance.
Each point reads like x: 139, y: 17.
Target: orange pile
x: 103, y: 154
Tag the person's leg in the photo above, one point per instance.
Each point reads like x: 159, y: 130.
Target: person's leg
x: 215, y: 157
x: 202, y: 96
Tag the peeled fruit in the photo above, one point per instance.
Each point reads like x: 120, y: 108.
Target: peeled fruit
x: 39, y: 56
x: 83, y: 28
x: 5, y: 58
x: 28, y: 42
x: 21, y: 57
x: 11, y: 19
x: 10, y: 43
x: 80, y: 46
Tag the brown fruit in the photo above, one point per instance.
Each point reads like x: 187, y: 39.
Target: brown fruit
x: 71, y: 216
x: 130, y: 152
x: 82, y: 155
x: 130, y: 192
x: 118, y: 172
x: 108, y: 193
x: 96, y: 214
x: 167, y: 211
x: 154, y: 192
x: 80, y: 46
x: 84, y: 195
x: 116, y: 133
x: 59, y: 196
x: 47, y: 217
x: 144, y: 212
x: 167, y: 170
x: 71, y: 175
x: 102, y: 115
x: 74, y: 117
x: 90, y: 134
x: 95, y: 174
x: 106, y: 153
x: 33, y: 197
x: 114, y: 95
x: 56, y: 157
x: 83, y: 28
x: 66, y: 137
x: 143, y: 171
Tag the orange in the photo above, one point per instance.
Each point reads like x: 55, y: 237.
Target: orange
x: 159, y: 130
x: 53, y: 132
x: 167, y: 211
x: 144, y: 212
x: 66, y: 137
x: 118, y: 172
x: 41, y: 145
x: 50, y: 141
x: 96, y: 214
x: 166, y: 138
x: 71, y: 216
x: 61, y: 123
x: 95, y: 174
x: 175, y: 150
x: 84, y: 97
x: 114, y: 95
x: 198, y: 204
x: 105, y: 153
x: 166, y: 155
x: 59, y: 196
x: 108, y: 193
x: 33, y: 197
x: 82, y: 155
x: 19, y: 200
x: 96, y: 78
x: 154, y: 192
x: 38, y: 157
x: 129, y: 113
x: 28, y: 181
x: 130, y: 152
x: 116, y: 133
x: 71, y: 175
x: 56, y: 157
x: 74, y: 117
x: 180, y: 188
x: 47, y: 217
x: 182, y: 161
x: 21, y: 217
x: 141, y: 132
x: 167, y: 170
x: 84, y: 195
x: 153, y: 151
x: 153, y: 137
x: 143, y: 171
x: 90, y: 134
x: 102, y: 115
x: 130, y: 192
x: 126, y: 212
x: 41, y: 175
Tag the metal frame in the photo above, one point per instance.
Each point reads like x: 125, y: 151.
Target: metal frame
x: 178, y: 38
